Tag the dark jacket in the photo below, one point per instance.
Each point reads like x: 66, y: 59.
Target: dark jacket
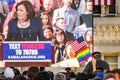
x: 2, y: 19
x: 8, y: 79
x: 99, y: 63
x: 69, y: 36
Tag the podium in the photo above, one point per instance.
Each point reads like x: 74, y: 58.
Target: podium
x: 26, y: 53
x: 0, y: 52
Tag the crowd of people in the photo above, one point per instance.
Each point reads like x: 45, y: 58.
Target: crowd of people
x: 40, y: 73
x: 97, y: 69
x: 43, y: 20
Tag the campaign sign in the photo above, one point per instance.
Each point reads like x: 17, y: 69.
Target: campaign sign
x: 24, y: 51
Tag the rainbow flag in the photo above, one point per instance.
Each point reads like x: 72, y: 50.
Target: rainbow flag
x: 83, y: 55
x: 81, y: 49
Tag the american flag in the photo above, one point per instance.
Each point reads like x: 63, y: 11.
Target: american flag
x: 102, y: 2
x: 78, y: 44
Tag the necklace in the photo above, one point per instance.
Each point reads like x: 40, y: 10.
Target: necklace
x: 23, y: 23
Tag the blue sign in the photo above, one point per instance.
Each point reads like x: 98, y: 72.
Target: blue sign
x: 27, y: 51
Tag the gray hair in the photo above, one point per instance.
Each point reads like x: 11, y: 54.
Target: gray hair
x: 59, y: 76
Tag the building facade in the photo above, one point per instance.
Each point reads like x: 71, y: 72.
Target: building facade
x: 106, y: 34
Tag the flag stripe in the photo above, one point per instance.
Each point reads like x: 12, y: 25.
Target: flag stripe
x: 108, y: 2
x: 105, y: 2
x: 84, y: 58
x: 82, y: 53
x: 99, y: 2
x: 96, y: 2
x: 78, y: 58
x: 102, y: 2
x: 111, y: 2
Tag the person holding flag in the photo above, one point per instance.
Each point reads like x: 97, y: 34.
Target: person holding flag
x: 77, y: 51
x: 81, y: 49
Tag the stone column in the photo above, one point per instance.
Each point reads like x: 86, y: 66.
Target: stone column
x: 118, y: 60
x: 104, y: 10
x: 117, y: 7
x: 118, y: 2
